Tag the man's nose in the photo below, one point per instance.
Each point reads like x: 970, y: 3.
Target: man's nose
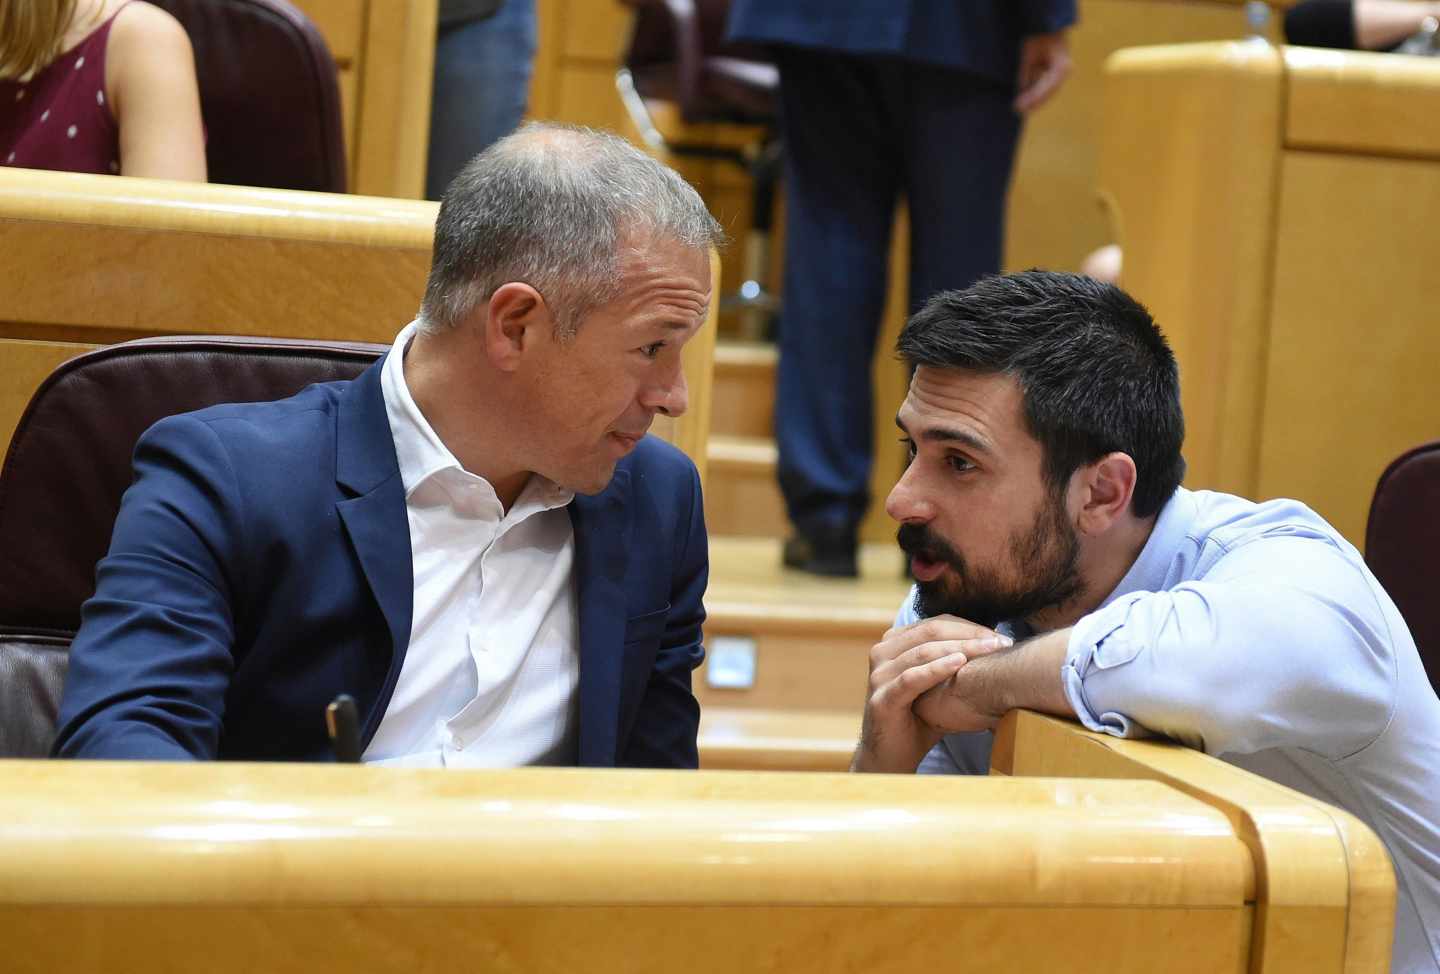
x: 908, y: 502
x: 671, y: 397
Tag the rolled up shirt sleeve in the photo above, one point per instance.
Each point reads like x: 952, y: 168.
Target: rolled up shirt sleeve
x: 1283, y: 642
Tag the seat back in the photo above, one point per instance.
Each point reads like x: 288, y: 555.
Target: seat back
x: 68, y: 465
x: 1402, y: 546
x: 269, y: 93
x: 678, y: 52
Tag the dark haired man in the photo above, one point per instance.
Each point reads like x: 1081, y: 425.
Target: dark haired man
x: 1060, y: 567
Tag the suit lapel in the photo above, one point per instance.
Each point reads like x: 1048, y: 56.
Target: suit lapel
x: 602, y: 536
x: 374, y: 516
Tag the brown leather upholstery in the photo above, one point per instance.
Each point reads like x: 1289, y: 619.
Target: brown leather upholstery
x: 1402, y: 546
x: 69, y: 463
x: 269, y: 93
x: 678, y: 53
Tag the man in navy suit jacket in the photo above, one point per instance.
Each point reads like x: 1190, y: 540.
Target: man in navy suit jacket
x: 268, y: 556
x: 880, y: 98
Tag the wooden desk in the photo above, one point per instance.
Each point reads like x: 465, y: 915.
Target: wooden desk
x: 288, y: 868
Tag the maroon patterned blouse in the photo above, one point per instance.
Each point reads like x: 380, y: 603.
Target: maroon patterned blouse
x: 60, y: 118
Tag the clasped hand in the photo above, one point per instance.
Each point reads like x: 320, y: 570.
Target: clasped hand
x: 913, y: 699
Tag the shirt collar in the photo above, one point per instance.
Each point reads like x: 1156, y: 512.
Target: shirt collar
x: 420, y: 451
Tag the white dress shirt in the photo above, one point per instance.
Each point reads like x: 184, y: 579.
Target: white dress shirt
x: 491, y: 672
x: 1255, y: 633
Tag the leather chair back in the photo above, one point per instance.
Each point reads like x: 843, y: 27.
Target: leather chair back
x: 69, y: 464
x: 1402, y: 546
x: 269, y: 93
x: 678, y: 53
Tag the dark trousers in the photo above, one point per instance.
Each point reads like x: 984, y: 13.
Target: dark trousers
x: 859, y: 131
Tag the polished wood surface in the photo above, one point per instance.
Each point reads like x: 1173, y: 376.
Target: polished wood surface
x: 1362, y: 102
x: 242, y: 867
x: 165, y: 257
x: 1282, y: 244
x: 1325, y: 898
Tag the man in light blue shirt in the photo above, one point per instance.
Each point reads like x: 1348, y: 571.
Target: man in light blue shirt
x: 1060, y: 567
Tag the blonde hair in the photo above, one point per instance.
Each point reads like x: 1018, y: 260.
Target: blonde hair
x: 31, y: 32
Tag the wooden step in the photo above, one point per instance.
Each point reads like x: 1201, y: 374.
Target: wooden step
x: 747, y: 739
x: 742, y: 497
x: 743, y: 396
x: 809, y: 636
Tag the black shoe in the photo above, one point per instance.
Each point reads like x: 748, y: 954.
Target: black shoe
x: 830, y: 553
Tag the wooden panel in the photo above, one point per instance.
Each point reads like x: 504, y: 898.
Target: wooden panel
x: 1194, y: 197
x: 23, y: 366
x: 586, y: 96
x: 815, y: 670
x: 396, y: 77
x: 1054, y: 217
x: 349, y: 112
x: 1325, y: 893
x: 744, y: 395
x: 342, y: 22
x: 598, y: 31
x: 1351, y: 376
x: 621, y: 940
x: 1359, y: 101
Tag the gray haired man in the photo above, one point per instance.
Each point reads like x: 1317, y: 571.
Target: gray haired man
x: 475, y: 539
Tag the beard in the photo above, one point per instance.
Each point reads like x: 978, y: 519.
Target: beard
x: 1044, y: 571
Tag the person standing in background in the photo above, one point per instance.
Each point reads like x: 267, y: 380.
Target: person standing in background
x: 484, y: 51
x: 98, y: 86
x: 880, y: 97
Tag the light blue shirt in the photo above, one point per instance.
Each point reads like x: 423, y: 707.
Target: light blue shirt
x: 1254, y: 632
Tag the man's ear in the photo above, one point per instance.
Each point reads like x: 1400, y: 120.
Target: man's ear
x: 515, y: 317
x: 1105, y: 489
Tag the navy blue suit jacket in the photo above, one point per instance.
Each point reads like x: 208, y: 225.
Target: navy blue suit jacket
x: 979, y: 36
x: 260, y: 566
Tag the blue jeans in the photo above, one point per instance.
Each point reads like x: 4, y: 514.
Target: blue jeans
x: 482, y: 77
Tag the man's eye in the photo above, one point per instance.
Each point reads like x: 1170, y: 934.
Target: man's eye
x: 652, y: 350
x: 959, y: 464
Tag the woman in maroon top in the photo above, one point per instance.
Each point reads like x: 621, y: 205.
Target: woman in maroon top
x: 102, y: 86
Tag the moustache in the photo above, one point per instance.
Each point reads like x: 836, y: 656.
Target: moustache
x: 918, y: 539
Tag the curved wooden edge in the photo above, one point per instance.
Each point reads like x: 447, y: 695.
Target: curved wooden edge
x: 1325, y: 889
x: 1361, y: 102
x: 32, y: 195
x: 217, y: 833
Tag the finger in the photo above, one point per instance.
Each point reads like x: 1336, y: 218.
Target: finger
x: 929, y: 652
x: 935, y: 629
x: 901, y: 692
